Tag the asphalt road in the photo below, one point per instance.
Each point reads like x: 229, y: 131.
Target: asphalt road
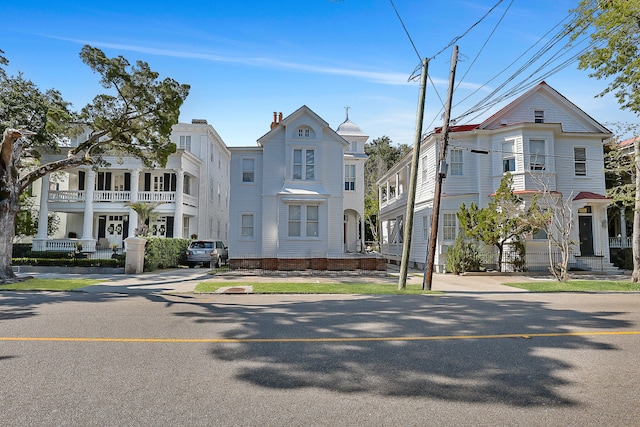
x: 80, y: 359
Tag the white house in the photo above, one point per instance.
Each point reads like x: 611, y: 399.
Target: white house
x: 297, y: 198
x: 541, y: 136
x: 192, y: 189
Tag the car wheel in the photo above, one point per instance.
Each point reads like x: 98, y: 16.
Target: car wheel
x: 217, y: 264
x: 206, y: 264
x: 191, y: 265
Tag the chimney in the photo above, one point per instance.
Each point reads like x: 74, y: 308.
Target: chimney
x: 279, y: 117
x: 274, y: 123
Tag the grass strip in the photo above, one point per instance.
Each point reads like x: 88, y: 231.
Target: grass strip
x: 578, y: 286
x: 48, y: 284
x: 316, y: 288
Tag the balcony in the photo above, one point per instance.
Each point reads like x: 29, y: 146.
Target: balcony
x: 99, y: 196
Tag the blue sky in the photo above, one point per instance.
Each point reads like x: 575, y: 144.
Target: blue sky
x: 246, y: 59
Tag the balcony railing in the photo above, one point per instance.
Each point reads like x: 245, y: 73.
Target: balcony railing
x: 66, y: 196
x: 111, y: 196
x: 157, y: 196
x: 69, y: 196
x: 619, y: 242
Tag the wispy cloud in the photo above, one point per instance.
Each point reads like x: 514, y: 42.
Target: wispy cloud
x: 385, y: 78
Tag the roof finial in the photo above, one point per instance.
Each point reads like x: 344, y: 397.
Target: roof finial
x: 347, y: 110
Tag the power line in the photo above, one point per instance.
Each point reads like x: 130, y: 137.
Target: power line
x: 456, y: 39
x: 405, y: 30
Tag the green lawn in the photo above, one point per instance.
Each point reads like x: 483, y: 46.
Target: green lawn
x: 578, y: 286
x: 49, y: 285
x: 315, y: 288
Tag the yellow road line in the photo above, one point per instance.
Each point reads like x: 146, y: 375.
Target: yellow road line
x: 317, y: 340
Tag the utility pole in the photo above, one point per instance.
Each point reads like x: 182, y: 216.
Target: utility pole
x: 441, y: 172
x: 413, y: 178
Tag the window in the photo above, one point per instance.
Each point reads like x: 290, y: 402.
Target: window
x: 455, y: 166
x: 294, y: 220
x: 247, y: 226
x: 353, y: 146
x: 211, y: 194
x: 539, y: 234
x: 425, y: 227
x: 312, y: 221
x: 304, y: 160
x: 350, y: 177
x: 185, y: 143
x: 508, y: 157
x: 449, y: 226
x: 303, y: 217
x: 424, y: 169
x: 538, y: 116
x: 537, y: 154
x: 580, y: 161
x: 118, y: 183
x: 186, y: 185
x: 158, y: 183
x: 304, y: 133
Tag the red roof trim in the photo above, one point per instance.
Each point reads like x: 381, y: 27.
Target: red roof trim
x: 588, y: 195
x: 460, y: 128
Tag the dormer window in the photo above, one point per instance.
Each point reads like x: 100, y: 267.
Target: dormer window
x: 304, y: 133
x: 538, y: 116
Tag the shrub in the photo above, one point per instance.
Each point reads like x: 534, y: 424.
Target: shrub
x: 68, y: 262
x: 164, y: 253
x: 463, y: 256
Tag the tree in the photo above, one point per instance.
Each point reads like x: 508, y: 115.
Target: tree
x: 145, y: 214
x: 502, y: 222
x: 615, y: 32
x: 554, y: 215
x: 382, y: 155
x: 134, y: 118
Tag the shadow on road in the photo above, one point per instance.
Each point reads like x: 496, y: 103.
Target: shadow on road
x: 512, y: 371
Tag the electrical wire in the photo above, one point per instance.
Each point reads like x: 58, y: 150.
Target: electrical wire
x: 406, y: 31
x: 456, y: 39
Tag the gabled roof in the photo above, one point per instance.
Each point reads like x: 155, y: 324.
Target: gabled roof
x: 550, y: 93
x: 304, y: 110
x: 588, y: 195
x: 628, y: 142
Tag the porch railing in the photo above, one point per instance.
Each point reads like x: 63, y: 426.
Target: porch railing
x: 66, y: 196
x: 111, y: 196
x: 157, y: 196
x: 69, y: 196
x: 620, y: 242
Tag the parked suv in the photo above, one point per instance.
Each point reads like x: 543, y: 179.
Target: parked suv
x: 207, y: 253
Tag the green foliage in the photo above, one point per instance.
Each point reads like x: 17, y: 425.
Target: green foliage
x: 145, y: 213
x: 67, y: 261
x: 164, y: 253
x: 614, y: 29
x: 382, y: 155
x: 623, y: 258
x: 463, y: 256
x: 504, y: 220
x: 26, y: 223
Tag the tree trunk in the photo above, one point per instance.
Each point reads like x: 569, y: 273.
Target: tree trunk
x: 8, y: 211
x: 636, y: 215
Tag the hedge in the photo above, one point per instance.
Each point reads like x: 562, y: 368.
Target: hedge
x: 164, y: 253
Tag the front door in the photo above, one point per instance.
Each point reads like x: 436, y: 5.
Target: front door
x: 585, y: 230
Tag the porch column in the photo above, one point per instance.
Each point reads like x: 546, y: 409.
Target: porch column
x: 177, y: 220
x: 87, y: 224
x: 133, y: 215
x: 43, y: 215
x: 623, y: 228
